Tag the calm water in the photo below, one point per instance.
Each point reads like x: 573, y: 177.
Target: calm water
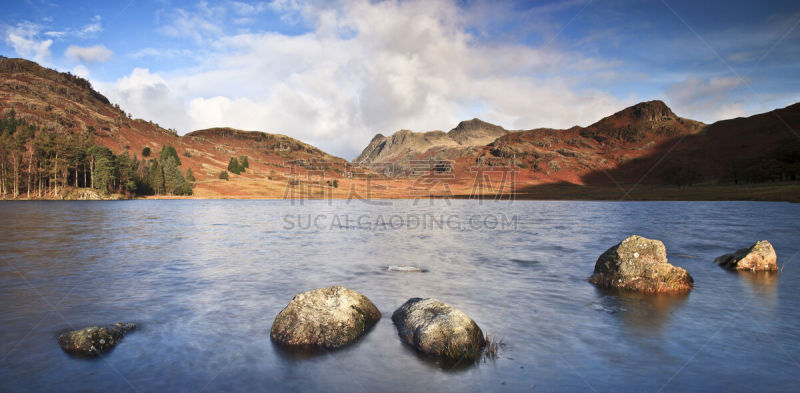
x: 204, y: 279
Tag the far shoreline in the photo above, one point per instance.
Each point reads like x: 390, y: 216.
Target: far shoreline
x: 760, y: 192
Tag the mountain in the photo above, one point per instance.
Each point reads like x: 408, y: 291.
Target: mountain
x: 550, y: 155
x: 63, y: 104
x: 760, y: 148
x: 50, y: 122
x: 405, y: 145
x: 645, y: 144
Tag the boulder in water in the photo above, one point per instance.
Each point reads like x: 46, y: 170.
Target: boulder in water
x: 436, y: 329
x: 640, y: 264
x: 326, y: 317
x: 758, y: 257
x: 94, y: 340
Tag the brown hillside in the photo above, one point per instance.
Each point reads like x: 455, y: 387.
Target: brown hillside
x: 63, y: 103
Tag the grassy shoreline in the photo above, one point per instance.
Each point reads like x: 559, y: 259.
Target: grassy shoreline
x: 766, y: 192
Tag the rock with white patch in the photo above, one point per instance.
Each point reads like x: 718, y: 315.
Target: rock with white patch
x: 436, y: 329
x: 326, y: 317
x: 640, y: 264
x: 94, y: 340
x: 758, y: 257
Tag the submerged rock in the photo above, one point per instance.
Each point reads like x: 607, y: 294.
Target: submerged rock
x: 640, y: 264
x: 405, y: 269
x: 437, y: 329
x: 758, y: 257
x: 327, y: 317
x: 94, y: 340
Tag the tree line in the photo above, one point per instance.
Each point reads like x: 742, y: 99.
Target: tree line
x: 41, y: 164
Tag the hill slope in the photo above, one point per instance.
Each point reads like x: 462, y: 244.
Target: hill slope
x: 61, y: 103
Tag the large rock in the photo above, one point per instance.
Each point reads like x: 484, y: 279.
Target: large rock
x: 327, y: 317
x: 758, y: 257
x: 94, y: 340
x: 437, y: 329
x: 640, y: 264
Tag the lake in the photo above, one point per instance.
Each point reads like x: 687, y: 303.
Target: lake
x: 205, y: 279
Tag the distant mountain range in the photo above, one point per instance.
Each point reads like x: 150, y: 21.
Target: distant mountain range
x: 644, y: 144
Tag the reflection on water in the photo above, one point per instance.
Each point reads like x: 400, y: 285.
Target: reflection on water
x: 765, y: 283
x: 764, y: 289
x: 642, y: 313
x: 204, y: 280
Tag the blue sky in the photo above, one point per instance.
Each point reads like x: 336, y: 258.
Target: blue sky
x: 335, y: 73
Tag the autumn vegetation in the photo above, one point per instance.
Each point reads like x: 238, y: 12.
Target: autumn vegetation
x: 39, y: 164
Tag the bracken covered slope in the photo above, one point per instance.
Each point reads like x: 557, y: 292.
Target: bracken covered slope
x: 63, y: 103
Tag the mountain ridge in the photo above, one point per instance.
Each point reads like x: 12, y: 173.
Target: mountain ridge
x: 646, y: 143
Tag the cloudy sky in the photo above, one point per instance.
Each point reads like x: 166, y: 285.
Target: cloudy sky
x: 334, y: 73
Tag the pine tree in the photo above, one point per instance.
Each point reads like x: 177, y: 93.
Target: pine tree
x: 173, y: 179
x: 168, y: 151
x: 126, y: 169
x: 156, y: 178
x: 190, y: 175
x: 244, y: 163
x: 233, y: 166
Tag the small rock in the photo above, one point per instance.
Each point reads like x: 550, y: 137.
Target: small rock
x: 640, y: 264
x: 405, y: 269
x: 437, y: 329
x: 758, y: 257
x: 94, y: 340
x: 327, y: 317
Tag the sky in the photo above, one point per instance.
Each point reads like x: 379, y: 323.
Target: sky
x: 335, y: 73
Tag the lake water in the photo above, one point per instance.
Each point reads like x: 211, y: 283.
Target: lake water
x: 204, y: 280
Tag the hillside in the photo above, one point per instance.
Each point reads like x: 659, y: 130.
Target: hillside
x: 63, y: 104
x: 646, y: 143
x: 60, y: 120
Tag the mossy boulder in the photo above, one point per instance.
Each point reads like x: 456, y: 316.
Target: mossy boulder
x: 326, y: 317
x: 758, y: 257
x: 640, y: 264
x: 436, y: 329
x: 94, y: 340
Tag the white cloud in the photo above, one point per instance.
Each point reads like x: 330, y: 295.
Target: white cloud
x: 89, y: 54
x: 25, y: 41
x: 199, y: 24
x: 365, y: 67
x: 707, y: 100
x: 92, y: 28
x: 89, y: 30
x: 147, y: 96
x: 81, y: 71
x: 250, y: 9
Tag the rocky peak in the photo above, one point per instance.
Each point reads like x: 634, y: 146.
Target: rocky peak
x: 476, y: 130
x: 653, y: 111
x: 642, y: 121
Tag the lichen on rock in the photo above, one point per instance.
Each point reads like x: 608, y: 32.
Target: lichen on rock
x: 640, y: 264
x: 326, y: 317
x: 758, y: 257
x: 94, y: 340
x: 437, y: 329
